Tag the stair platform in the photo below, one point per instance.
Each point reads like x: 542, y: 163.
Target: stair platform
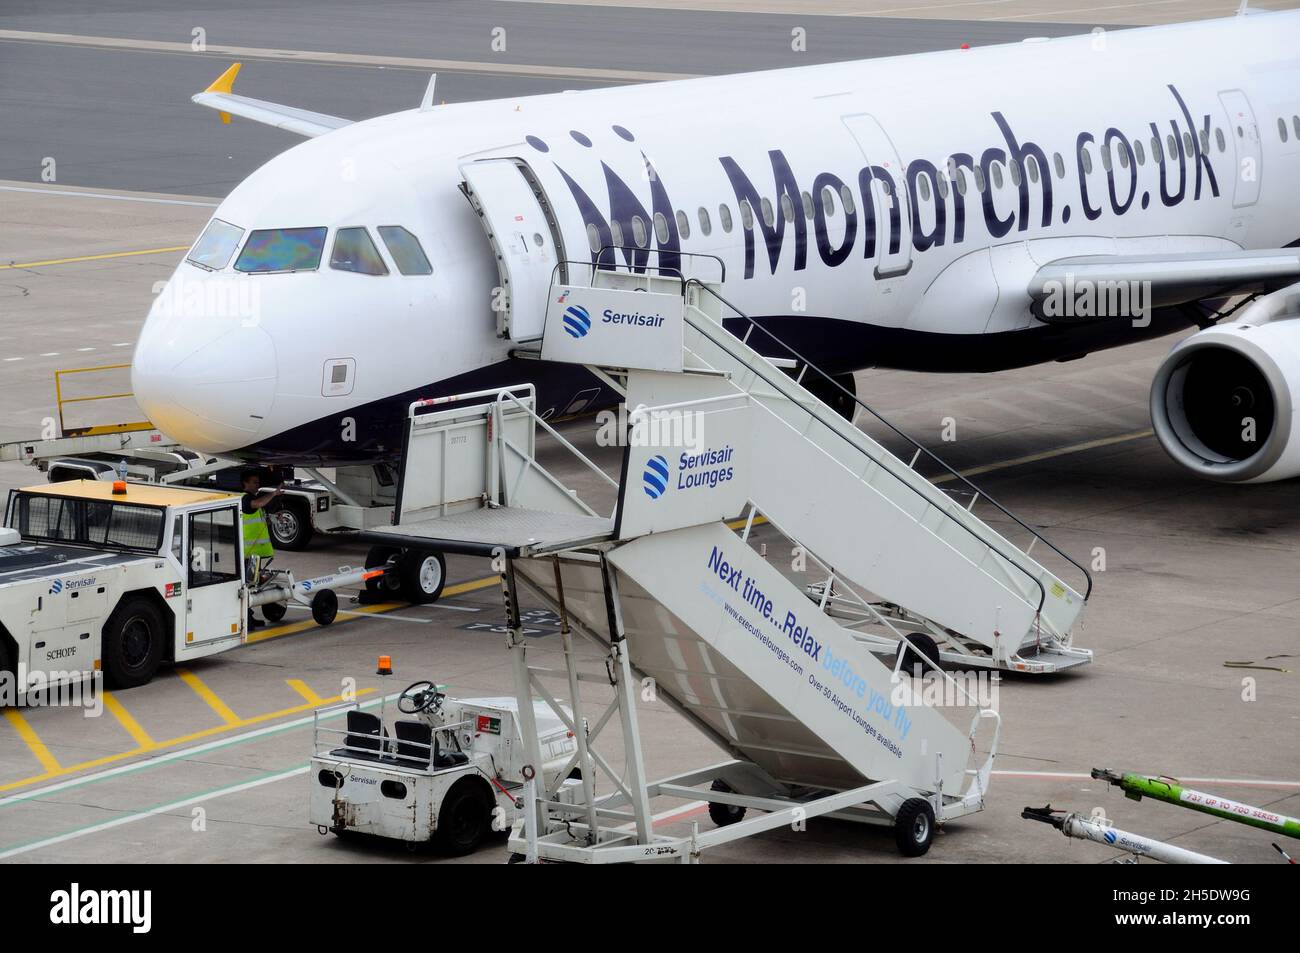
x: 512, y: 531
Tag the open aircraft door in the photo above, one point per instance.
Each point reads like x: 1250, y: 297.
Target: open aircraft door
x: 526, y: 239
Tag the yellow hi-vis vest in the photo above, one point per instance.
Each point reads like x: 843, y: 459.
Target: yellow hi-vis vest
x: 257, y: 537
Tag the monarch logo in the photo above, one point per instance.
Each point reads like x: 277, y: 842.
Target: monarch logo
x: 655, y: 477
x: 1110, y: 837
x: 577, y: 321
x: 57, y: 587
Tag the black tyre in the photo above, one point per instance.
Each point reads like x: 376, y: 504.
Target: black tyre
x: 423, y: 573
x: 924, y: 646
x: 914, y: 827
x: 387, y: 584
x: 324, y: 607
x: 274, y: 611
x: 464, y: 819
x: 134, y: 639
x: 825, y: 390
x: 724, y: 814
x: 289, y: 522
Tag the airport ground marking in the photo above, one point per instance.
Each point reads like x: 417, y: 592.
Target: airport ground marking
x: 30, y: 738
x: 423, y: 64
x: 305, y: 690
x: 170, y: 743
x: 124, y: 718
x: 211, y: 698
x: 115, y: 254
x: 192, y: 801
x: 1048, y: 455
x: 306, y: 625
x: 112, y: 197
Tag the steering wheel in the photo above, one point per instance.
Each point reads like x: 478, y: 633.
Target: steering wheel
x: 420, y: 697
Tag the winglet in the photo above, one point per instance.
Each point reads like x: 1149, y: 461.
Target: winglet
x: 224, y: 84
x: 226, y: 81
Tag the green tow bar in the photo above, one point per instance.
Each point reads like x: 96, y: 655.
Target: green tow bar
x: 1137, y: 787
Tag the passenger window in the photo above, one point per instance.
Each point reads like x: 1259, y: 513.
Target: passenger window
x: 1157, y: 152
x: 1205, y: 140
x: 1295, y: 124
x: 593, y: 237
x: 1060, y: 165
x: 1016, y: 175
x: 213, y: 550
x: 828, y: 201
x: 1219, y: 140
x: 616, y: 232
x: 787, y: 206
x: 943, y: 187
x: 961, y: 181
x: 1105, y: 158
x: 724, y: 216
x: 683, y: 224
x: 661, y: 228
x: 215, y: 246
x: 746, y: 214
x: 1086, y: 156
x: 282, y: 249
x: 923, y: 187
x: 1123, y: 158
x: 405, y: 248
x: 355, y: 251
x: 1281, y: 128
x: 1173, y: 146
x: 769, y: 218
x: 807, y: 202
x: 996, y: 170
x: 1140, y: 152
x: 1187, y: 143
x: 706, y: 226
x: 978, y: 173
x: 639, y: 235
x: 846, y: 199
x: 1031, y: 164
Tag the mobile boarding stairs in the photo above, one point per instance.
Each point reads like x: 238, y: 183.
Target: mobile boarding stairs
x: 684, y: 609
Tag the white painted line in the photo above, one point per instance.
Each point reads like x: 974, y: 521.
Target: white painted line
x: 1071, y: 776
x: 50, y: 354
x: 123, y: 344
x: 369, y: 615
x: 153, y: 812
x: 439, y: 605
x: 103, y: 195
x: 179, y: 754
x: 8, y: 359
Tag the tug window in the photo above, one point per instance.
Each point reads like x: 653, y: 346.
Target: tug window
x: 215, y: 246
x: 282, y: 249
x: 405, y: 249
x: 355, y: 251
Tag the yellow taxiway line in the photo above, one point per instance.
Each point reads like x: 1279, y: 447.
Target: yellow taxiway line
x: 128, y: 722
x: 32, y: 740
x: 113, y: 254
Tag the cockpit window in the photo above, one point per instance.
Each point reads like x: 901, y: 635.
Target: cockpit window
x: 282, y: 249
x: 405, y: 249
x: 354, y: 251
x: 215, y: 246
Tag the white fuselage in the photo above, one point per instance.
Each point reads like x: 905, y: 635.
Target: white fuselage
x: 936, y: 280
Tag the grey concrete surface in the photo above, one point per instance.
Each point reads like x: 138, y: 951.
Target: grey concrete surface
x: 1195, y: 575
x: 121, y: 118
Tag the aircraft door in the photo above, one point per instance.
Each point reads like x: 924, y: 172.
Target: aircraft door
x: 525, y: 237
x: 1244, y: 133
x: 888, y: 196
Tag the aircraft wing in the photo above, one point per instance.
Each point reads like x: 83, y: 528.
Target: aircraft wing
x: 1173, y: 279
x: 304, y: 122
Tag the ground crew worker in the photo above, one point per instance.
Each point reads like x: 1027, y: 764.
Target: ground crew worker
x: 257, y: 536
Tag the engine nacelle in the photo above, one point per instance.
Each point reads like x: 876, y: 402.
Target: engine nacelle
x: 1223, y: 403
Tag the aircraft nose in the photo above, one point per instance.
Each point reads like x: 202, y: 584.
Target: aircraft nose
x: 215, y: 398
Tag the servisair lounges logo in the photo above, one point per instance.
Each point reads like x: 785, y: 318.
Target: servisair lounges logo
x: 705, y: 469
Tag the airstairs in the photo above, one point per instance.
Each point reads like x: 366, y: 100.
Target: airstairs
x: 665, y: 575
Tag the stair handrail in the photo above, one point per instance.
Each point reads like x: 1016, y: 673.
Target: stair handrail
x: 921, y: 449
